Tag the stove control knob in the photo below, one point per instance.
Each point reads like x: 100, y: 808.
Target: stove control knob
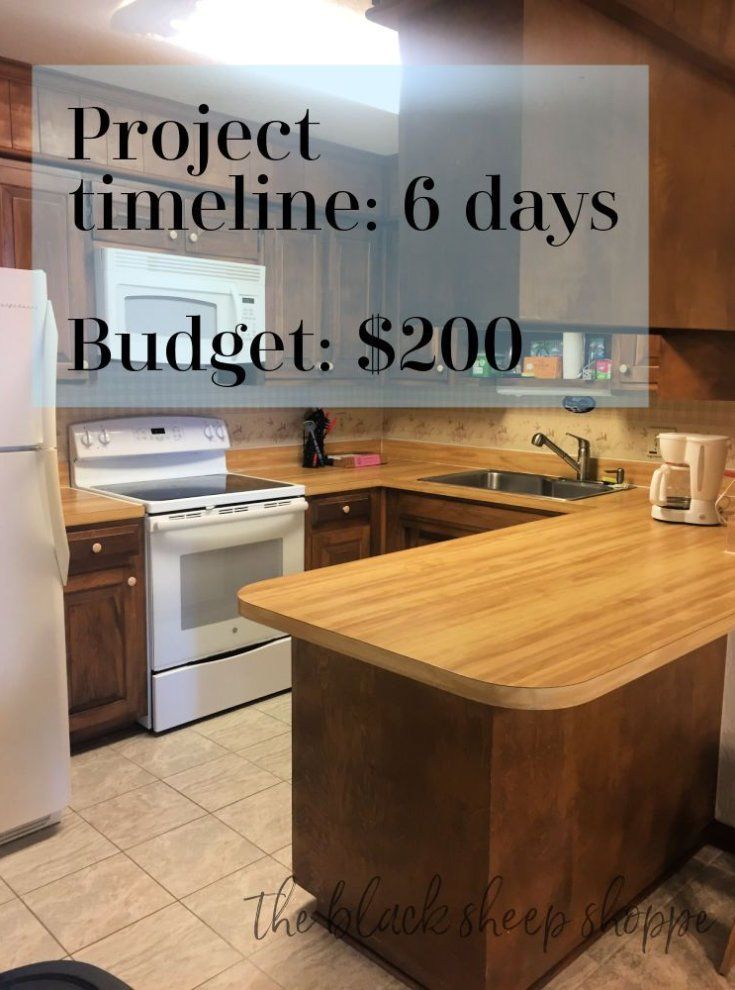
x: 85, y: 439
x: 208, y: 431
x: 104, y: 437
x: 220, y: 431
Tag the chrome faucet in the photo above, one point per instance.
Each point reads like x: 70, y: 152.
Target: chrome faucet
x: 581, y: 466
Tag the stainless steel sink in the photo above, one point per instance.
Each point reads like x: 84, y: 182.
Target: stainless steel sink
x: 518, y: 483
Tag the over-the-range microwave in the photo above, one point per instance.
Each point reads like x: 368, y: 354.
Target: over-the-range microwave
x: 140, y: 292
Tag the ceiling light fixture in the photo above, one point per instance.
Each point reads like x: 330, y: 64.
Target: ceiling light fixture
x: 264, y: 32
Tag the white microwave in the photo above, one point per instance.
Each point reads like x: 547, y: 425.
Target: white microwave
x: 140, y: 292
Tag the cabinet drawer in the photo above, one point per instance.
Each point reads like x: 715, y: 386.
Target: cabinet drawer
x: 95, y: 549
x: 339, y: 508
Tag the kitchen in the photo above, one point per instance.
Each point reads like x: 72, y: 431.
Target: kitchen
x: 404, y: 704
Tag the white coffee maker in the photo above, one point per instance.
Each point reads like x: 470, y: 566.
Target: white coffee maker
x: 685, y: 488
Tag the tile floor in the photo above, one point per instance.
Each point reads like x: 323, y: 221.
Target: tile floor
x: 148, y: 873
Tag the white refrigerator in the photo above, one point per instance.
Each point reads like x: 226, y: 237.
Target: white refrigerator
x: 34, y: 559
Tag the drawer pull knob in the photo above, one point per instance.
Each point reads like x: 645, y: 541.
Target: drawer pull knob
x: 132, y: 581
x: 193, y: 237
x: 173, y: 234
x: 96, y: 548
x: 346, y: 509
x: 624, y: 369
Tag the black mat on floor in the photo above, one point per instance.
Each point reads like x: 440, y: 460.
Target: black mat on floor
x: 60, y: 975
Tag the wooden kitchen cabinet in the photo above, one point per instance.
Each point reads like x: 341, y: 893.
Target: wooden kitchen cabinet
x: 635, y: 361
x: 354, y: 291
x: 16, y: 117
x: 104, y: 605
x: 418, y: 520
x: 39, y: 200
x: 341, y: 528
x: 243, y: 245
x: 296, y: 271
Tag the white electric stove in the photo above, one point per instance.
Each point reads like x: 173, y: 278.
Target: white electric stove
x: 208, y: 533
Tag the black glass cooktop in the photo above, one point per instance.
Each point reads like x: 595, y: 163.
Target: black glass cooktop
x: 168, y: 489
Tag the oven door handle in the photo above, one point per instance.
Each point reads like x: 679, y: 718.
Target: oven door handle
x: 165, y: 524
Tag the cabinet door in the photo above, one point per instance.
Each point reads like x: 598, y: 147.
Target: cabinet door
x: 635, y: 361
x: 37, y: 231
x: 56, y: 122
x: 105, y: 633
x: 417, y: 520
x: 354, y: 293
x: 235, y: 245
x: 342, y: 527
x: 122, y: 233
x: 339, y: 544
x: 295, y: 273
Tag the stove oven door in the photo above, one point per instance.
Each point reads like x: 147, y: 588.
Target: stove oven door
x: 198, y: 561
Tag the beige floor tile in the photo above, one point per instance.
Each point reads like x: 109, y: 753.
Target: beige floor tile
x: 194, y: 855
x: 279, y: 707
x: 102, y: 773
x: 6, y: 894
x: 285, y: 856
x: 45, y: 856
x: 576, y: 975
x: 230, y: 906
x: 23, y: 939
x: 241, y: 728
x: 169, y: 950
x: 318, y: 960
x: 243, y: 976
x: 170, y: 753
x: 263, y: 818
x: 101, y: 899
x: 141, y: 814
x: 223, y: 781
x: 273, y: 755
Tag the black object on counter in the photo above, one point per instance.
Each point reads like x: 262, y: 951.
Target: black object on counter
x: 317, y: 424
x: 60, y: 975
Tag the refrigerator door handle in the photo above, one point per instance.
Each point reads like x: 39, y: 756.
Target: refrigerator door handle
x: 53, y: 499
x: 47, y: 390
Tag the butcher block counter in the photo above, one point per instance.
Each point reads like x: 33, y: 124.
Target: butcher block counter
x: 502, y: 741
x: 88, y: 509
x: 545, y: 615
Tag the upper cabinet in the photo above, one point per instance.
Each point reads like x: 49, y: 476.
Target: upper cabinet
x: 692, y: 108
x: 296, y: 274
x: 692, y: 158
x: 224, y: 243
x: 37, y: 231
x: 16, y: 118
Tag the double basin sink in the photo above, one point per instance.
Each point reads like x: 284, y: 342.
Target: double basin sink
x: 518, y: 483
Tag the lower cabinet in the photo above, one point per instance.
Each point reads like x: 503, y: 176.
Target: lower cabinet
x: 343, y: 527
x: 417, y: 520
x: 353, y: 525
x: 104, y: 605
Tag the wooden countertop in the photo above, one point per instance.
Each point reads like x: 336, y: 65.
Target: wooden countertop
x: 407, y: 476
x: 281, y: 463
x: 544, y: 615
x: 87, y: 509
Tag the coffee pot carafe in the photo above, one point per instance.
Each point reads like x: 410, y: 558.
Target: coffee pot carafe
x: 685, y: 488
